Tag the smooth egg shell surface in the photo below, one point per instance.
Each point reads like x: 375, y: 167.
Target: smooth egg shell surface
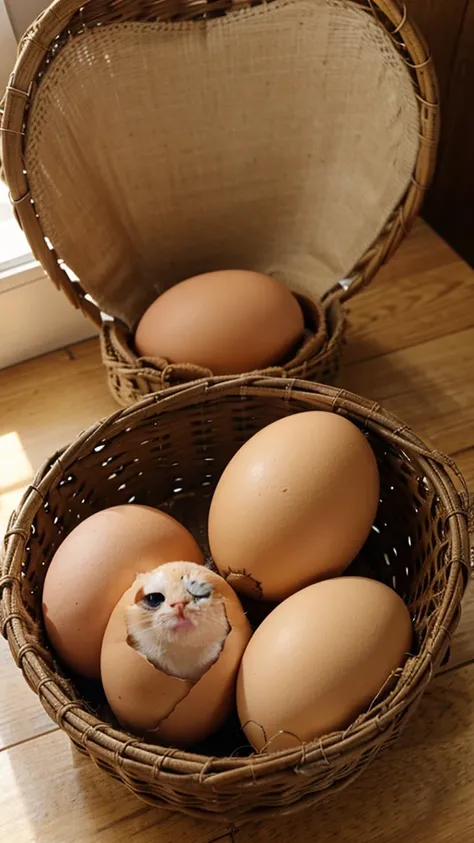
x: 162, y: 708
x: 294, y: 505
x: 319, y: 660
x: 93, y: 567
x: 229, y: 322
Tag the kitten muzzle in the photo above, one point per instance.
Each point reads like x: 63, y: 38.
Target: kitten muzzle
x: 178, y: 608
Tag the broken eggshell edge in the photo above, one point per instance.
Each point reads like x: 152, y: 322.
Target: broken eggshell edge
x: 163, y: 708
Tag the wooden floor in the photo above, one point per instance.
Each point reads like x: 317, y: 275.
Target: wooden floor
x: 411, y: 347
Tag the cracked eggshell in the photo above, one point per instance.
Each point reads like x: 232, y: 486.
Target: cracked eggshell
x: 93, y: 567
x: 319, y: 660
x: 294, y: 505
x: 163, y: 708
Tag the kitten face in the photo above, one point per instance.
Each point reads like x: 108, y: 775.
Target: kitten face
x: 174, y: 605
x: 178, y: 620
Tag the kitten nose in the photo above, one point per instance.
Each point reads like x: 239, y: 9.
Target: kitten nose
x: 179, y: 608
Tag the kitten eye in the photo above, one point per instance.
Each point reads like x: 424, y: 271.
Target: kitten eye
x: 154, y: 600
x: 198, y: 590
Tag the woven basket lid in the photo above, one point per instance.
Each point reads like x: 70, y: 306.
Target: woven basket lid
x: 148, y: 141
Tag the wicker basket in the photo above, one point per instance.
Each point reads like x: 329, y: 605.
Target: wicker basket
x: 169, y: 450
x: 145, y: 141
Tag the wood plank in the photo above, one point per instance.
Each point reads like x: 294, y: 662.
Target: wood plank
x: 465, y: 461
x: 44, y: 405
x: 78, y: 395
x: 423, y: 280
x: 46, y: 402
x: 424, y: 293
x: 51, y: 794
x: 429, y: 386
x: 21, y: 714
x: 462, y: 648
x: 419, y: 790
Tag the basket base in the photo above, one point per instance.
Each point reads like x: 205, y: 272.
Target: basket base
x: 130, y: 378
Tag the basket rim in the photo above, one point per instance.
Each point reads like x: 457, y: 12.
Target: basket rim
x: 55, y: 22
x: 125, y: 367
x: 102, y: 740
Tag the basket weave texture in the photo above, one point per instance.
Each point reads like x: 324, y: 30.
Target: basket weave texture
x: 145, y: 141
x: 318, y: 358
x: 169, y: 451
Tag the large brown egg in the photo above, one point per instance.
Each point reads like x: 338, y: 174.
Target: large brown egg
x: 229, y: 322
x: 319, y: 660
x: 294, y: 505
x: 163, y: 707
x: 93, y: 567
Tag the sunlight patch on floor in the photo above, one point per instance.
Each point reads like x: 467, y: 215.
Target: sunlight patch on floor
x: 15, y: 467
x: 16, y: 472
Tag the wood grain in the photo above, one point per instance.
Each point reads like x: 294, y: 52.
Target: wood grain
x: 462, y: 648
x: 422, y: 294
x: 430, y: 386
x: 51, y: 794
x: 465, y: 461
x: 411, y: 345
x: 22, y: 716
x: 419, y: 790
x: 48, y: 401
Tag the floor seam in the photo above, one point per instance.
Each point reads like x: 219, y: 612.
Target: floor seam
x: 30, y: 739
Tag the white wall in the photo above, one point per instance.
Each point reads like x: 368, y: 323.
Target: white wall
x: 7, y: 48
x: 23, y: 12
x: 34, y: 316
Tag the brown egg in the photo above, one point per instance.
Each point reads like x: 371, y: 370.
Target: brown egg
x: 93, y: 567
x: 162, y: 707
x: 230, y: 322
x: 319, y: 660
x: 294, y: 505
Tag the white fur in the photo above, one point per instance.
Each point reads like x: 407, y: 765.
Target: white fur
x: 182, y: 652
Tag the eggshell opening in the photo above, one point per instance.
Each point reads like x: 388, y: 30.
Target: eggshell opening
x: 161, y: 707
